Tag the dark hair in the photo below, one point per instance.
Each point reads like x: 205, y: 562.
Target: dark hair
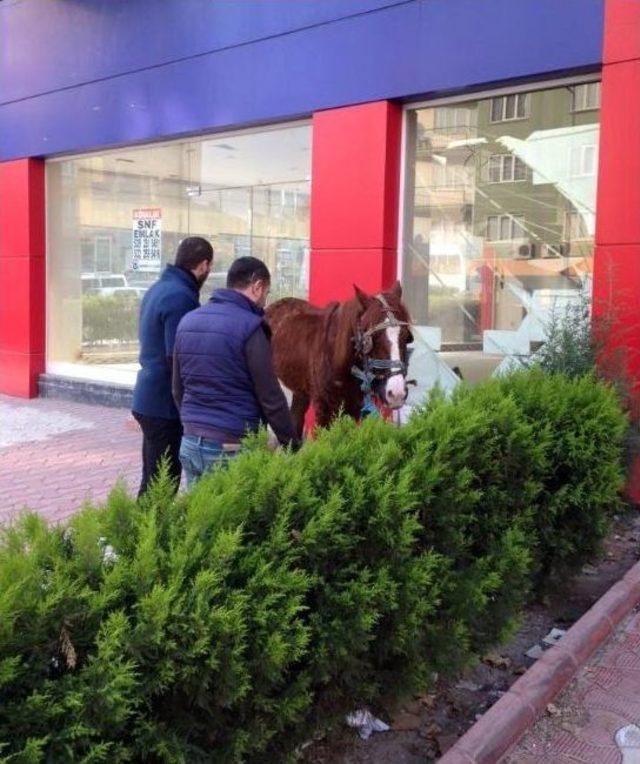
x: 192, y: 251
x: 245, y: 271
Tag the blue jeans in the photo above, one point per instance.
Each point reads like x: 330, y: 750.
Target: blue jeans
x: 199, y: 455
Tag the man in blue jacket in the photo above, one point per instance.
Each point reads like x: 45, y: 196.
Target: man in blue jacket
x: 165, y: 303
x: 223, y: 377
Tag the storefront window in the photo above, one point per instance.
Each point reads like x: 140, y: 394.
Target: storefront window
x: 499, y: 225
x: 114, y: 220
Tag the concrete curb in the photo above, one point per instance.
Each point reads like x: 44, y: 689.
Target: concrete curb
x: 507, y: 720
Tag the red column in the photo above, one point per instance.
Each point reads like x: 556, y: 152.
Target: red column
x: 487, y: 288
x: 617, y: 256
x: 355, y: 190
x: 22, y: 276
x: 355, y: 193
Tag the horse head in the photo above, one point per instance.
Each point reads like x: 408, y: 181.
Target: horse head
x: 382, y: 334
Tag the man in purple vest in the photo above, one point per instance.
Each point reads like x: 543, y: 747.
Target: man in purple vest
x: 223, y: 379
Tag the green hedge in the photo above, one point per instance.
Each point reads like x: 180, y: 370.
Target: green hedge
x: 110, y: 317
x: 476, y: 466
x: 580, y: 427
x: 230, y: 623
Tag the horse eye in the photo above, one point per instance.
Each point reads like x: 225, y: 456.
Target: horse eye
x: 409, y: 338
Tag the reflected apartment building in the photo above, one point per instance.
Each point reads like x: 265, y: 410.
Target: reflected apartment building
x: 503, y: 223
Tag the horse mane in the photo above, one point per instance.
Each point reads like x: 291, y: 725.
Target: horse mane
x: 348, y: 314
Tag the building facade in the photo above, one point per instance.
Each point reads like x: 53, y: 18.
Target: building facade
x: 486, y: 154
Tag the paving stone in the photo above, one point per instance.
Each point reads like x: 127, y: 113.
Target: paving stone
x: 56, y: 454
x: 597, y: 713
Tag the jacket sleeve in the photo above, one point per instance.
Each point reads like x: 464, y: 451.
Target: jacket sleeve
x: 267, y: 388
x: 176, y: 382
x: 174, y: 312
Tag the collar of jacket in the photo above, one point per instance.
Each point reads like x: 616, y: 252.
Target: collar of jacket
x: 236, y: 298
x: 173, y: 273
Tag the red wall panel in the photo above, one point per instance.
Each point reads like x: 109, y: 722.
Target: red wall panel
x: 618, y: 218
x: 22, y: 276
x: 19, y: 373
x: 335, y: 271
x: 22, y: 231
x: 622, y: 30
x: 23, y: 283
x: 615, y: 308
x: 617, y: 257
x: 354, y: 202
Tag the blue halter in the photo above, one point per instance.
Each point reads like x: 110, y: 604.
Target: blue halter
x: 367, y: 379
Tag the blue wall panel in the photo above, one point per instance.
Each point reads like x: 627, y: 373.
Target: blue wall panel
x: 95, y: 73
x: 49, y: 44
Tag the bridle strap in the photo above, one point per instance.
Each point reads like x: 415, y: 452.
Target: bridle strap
x: 390, y: 320
x: 390, y: 314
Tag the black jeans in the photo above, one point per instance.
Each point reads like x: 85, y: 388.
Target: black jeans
x: 160, y: 437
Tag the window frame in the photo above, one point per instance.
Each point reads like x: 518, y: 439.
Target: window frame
x: 451, y: 175
x: 504, y: 100
x: 457, y: 125
x: 514, y: 219
x: 583, y: 149
x: 571, y: 232
x: 585, y: 89
x: 502, y: 178
x: 99, y: 240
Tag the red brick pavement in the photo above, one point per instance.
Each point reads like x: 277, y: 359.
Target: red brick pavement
x: 55, y: 475
x: 603, y: 698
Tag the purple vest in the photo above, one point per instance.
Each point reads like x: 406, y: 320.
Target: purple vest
x: 210, y: 342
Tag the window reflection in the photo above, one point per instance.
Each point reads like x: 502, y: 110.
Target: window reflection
x: 247, y: 194
x: 500, y: 219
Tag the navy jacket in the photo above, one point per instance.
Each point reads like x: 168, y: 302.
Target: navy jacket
x: 219, y: 393
x: 163, y: 306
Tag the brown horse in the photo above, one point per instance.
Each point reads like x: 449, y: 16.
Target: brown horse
x: 335, y: 357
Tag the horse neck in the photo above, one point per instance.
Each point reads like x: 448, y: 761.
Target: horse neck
x: 344, y: 326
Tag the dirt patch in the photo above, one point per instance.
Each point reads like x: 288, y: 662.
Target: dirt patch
x: 430, y: 724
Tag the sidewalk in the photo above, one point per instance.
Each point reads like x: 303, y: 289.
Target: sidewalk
x: 594, y: 720
x: 55, y: 454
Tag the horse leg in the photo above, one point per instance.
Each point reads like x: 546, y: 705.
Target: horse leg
x: 299, y: 406
x: 325, y: 413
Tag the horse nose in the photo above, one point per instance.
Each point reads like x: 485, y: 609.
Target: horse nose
x: 396, y: 391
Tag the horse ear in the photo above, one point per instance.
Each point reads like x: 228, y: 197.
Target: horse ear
x: 362, y: 297
x: 396, y: 290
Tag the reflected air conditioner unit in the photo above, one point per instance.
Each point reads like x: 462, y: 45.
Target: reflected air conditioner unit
x: 526, y: 251
x: 555, y: 250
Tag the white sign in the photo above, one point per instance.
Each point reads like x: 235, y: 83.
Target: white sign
x: 147, y: 239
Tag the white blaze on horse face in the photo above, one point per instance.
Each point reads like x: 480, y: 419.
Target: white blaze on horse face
x: 396, y: 389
